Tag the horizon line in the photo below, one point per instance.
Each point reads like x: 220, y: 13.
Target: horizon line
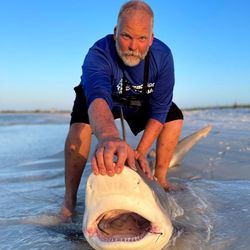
x: 54, y: 110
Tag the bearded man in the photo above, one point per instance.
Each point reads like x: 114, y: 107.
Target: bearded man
x: 133, y: 71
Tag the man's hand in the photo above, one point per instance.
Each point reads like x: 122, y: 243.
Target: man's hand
x: 106, y: 150
x: 143, y: 164
x: 110, y: 145
x: 103, y: 158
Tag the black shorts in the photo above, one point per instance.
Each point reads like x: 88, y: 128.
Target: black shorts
x: 137, y: 120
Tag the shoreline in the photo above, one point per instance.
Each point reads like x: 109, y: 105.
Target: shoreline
x: 57, y: 111
x: 37, y: 111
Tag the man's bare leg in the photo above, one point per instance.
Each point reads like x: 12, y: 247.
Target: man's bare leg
x: 165, y: 148
x: 76, y: 153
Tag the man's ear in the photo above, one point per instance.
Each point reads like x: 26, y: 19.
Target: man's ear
x: 115, y: 32
x: 151, y: 39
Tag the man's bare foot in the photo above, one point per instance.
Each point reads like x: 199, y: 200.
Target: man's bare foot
x: 67, y: 211
x: 168, y: 187
x: 173, y: 187
x: 65, y: 215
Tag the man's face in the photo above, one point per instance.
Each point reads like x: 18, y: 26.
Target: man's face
x: 133, y: 36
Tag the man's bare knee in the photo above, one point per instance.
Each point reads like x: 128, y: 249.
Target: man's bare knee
x: 175, y: 124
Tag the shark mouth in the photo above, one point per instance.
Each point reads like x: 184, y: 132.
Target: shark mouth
x: 122, y: 225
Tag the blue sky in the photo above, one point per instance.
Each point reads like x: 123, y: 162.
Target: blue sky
x: 43, y: 44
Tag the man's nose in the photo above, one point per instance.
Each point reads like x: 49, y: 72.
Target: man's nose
x: 133, y: 45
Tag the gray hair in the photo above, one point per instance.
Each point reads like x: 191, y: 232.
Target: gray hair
x: 136, y: 5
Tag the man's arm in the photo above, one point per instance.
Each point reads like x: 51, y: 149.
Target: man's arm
x: 151, y: 132
x: 109, y: 142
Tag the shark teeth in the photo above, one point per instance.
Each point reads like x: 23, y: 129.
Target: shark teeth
x: 121, y: 226
x: 121, y: 239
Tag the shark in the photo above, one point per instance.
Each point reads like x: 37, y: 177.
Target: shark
x: 130, y: 211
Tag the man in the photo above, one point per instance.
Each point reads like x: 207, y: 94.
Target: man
x: 134, y: 71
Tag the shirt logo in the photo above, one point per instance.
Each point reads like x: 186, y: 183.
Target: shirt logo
x: 134, y: 88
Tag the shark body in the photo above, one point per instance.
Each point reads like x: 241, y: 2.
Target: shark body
x: 129, y: 211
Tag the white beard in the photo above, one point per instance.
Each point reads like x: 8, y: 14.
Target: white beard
x: 130, y: 58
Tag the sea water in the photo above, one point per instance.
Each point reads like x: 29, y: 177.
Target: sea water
x: 216, y: 174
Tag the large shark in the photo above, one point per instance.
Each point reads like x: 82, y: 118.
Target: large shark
x: 129, y: 211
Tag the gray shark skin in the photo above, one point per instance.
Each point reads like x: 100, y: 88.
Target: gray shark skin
x: 129, y: 211
x: 182, y: 148
x: 187, y: 143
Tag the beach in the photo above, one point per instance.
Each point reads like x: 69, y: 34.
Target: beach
x: 216, y: 173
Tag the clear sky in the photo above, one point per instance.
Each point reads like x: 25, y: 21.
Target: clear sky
x: 43, y: 44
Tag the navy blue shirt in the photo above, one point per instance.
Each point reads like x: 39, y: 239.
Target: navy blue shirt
x: 103, y: 72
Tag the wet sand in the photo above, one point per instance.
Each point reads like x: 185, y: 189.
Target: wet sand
x: 216, y: 172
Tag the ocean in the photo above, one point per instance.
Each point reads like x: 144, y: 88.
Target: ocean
x: 216, y: 172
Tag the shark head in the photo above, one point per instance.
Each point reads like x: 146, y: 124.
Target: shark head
x: 129, y: 211
x: 125, y: 212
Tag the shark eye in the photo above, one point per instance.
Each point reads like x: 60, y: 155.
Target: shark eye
x: 138, y: 182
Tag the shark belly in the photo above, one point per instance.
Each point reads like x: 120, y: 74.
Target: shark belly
x: 124, y: 212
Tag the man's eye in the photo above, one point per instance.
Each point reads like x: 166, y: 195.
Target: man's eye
x: 143, y: 38
x: 125, y: 36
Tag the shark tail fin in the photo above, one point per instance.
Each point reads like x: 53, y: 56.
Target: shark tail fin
x: 187, y: 143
